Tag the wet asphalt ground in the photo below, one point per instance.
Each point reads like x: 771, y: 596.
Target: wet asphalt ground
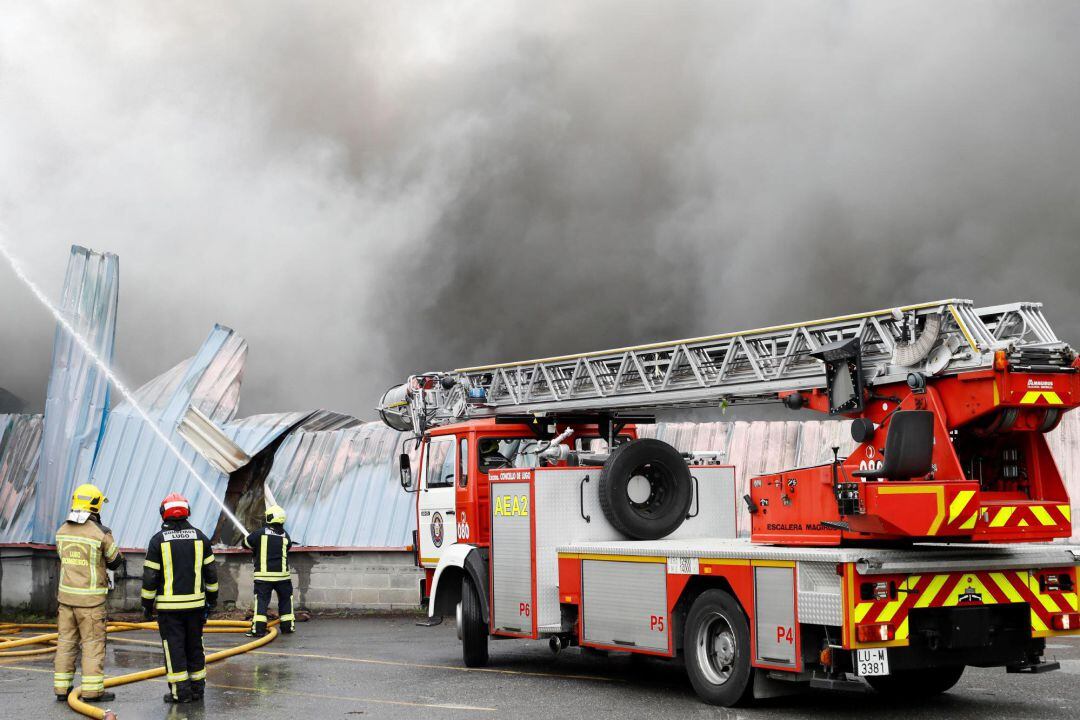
x: 387, y: 667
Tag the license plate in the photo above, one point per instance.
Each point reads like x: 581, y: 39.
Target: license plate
x: 872, y: 662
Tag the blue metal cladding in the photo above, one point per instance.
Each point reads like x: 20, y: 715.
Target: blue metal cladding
x: 20, y: 451
x: 339, y: 486
x: 78, y: 393
x: 134, y: 467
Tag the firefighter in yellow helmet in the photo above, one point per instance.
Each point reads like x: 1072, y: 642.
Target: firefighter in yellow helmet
x: 86, y: 549
x: 270, y: 546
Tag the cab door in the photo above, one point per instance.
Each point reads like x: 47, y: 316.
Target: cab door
x: 437, y: 525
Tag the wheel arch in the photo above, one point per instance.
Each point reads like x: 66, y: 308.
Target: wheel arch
x: 697, y: 585
x: 459, y: 560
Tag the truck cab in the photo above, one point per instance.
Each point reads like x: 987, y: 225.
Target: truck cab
x: 448, y: 472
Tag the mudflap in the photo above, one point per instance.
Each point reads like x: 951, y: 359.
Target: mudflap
x: 766, y: 687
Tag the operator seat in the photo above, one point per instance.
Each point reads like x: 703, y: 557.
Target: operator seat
x: 909, y: 447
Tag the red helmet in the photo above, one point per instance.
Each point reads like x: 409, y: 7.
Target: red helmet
x: 175, y: 507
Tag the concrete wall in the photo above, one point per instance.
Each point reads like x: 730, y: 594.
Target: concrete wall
x: 322, y: 580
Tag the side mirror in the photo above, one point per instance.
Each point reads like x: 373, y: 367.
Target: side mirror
x: 405, y: 472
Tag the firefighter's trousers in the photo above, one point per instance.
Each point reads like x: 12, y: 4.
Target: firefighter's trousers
x: 185, y: 662
x: 80, y: 627
x: 263, y: 590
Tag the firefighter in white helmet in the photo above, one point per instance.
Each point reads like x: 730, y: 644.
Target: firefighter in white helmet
x: 86, y: 549
x: 270, y: 545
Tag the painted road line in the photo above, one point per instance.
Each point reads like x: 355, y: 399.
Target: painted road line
x: 372, y: 661
x: 350, y: 698
x: 279, y: 691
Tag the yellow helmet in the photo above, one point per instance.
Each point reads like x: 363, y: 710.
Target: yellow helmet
x: 87, y: 498
x: 275, y: 515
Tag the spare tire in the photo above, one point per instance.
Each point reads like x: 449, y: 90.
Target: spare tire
x: 645, y: 489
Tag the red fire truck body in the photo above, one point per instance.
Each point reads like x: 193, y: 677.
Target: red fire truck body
x: 922, y: 552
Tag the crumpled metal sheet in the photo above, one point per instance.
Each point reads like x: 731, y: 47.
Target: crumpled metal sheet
x: 136, y: 470
x: 338, y: 481
x: 20, y: 450
x: 78, y: 393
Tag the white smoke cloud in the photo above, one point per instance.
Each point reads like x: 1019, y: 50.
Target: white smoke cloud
x: 368, y: 189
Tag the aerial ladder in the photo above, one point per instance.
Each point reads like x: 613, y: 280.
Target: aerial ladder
x: 542, y: 515
x: 949, y: 405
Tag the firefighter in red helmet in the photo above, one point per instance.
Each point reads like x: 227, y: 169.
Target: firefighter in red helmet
x: 180, y: 582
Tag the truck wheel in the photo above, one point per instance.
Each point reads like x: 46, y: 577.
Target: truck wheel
x: 716, y: 644
x: 472, y: 630
x: 916, y: 684
x: 645, y: 489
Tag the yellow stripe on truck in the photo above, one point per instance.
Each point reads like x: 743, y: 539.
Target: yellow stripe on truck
x: 931, y: 591
x: 1006, y: 587
x: 1042, y: 515
x: 1002, y: 517
x: 959, y: 503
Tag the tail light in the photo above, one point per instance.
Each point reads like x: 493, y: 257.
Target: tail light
x: 1066, y: 621
x: 875, y: 632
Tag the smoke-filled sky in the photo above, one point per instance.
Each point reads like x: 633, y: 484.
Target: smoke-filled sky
x: 366, y: 189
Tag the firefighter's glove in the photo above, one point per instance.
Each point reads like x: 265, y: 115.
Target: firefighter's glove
x: 206, y: 613
x: 148, y: 610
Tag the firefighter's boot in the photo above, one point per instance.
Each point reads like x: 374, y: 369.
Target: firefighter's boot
x: 181, y: 693
x: 103, y: 697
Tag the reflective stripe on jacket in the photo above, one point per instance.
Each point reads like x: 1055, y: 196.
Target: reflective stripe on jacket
x: 179, y: 572
x: 270, y: 546
x: 86, y: 550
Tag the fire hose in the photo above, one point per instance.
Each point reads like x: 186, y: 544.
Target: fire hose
x: 8, y: 642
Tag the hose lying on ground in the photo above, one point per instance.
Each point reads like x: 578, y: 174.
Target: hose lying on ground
x: 8, y: 641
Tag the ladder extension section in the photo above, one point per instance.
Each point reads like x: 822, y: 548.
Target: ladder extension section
x: 943, y: 337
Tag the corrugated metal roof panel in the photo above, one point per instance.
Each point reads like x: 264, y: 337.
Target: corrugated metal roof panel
x: 78, y: 391
x: 255, y: 432
x: 135, y: 469
x: 340, y: 486
x: 20, y: 449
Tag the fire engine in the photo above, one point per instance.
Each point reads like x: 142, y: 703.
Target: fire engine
x: 541, y: 513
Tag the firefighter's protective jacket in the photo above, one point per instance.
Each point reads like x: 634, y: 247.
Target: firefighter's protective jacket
x: 270, y: 546
x: 179, y: 572
x: 86, y: 549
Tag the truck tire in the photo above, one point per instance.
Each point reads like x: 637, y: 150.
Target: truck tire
x: 473, y: 629
x: 645, y: 489
x: 916, y: 684
x: 716, y: 645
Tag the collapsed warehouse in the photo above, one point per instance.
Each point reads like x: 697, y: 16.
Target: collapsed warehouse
x: 336, y: 475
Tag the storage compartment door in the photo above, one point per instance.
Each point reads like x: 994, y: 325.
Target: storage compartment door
x: 774, y: 615
x: 624, y: 604
x: 513, y: 593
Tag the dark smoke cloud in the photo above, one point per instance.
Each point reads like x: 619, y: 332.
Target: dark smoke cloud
x: 369, y: 189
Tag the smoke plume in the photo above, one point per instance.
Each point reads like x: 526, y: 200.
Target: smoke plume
x: 366, y: 189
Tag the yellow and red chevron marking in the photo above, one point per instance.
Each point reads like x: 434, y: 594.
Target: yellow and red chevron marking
x: 1048, y: 515
x: 1045, y: 397
x: 963, y: 511
x: 952, y: 590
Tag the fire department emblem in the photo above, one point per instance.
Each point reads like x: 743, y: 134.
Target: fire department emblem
x: 436, y: 529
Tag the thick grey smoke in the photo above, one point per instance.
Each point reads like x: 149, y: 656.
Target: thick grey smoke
x: 369, y: 189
